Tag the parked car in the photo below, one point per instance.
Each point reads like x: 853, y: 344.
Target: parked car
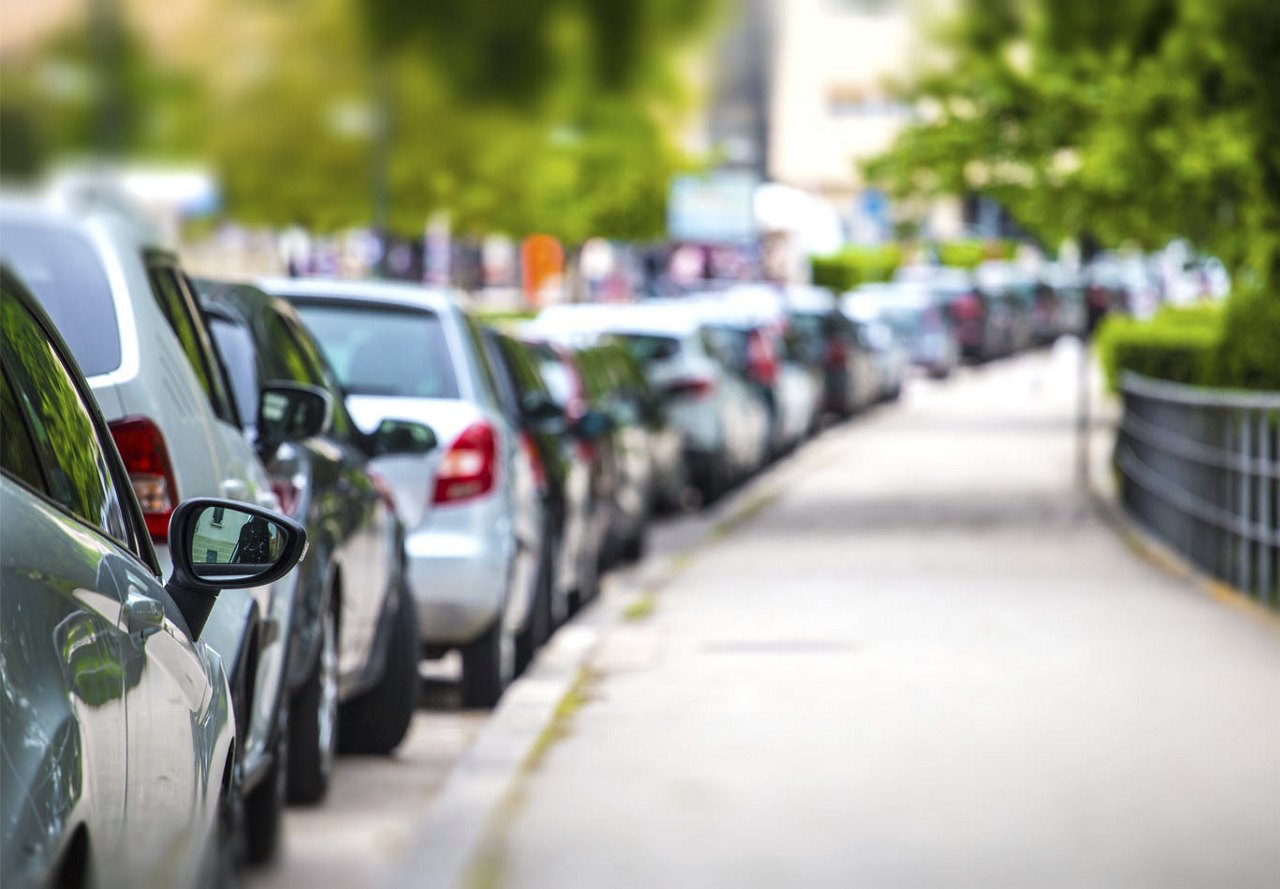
x: 561, y: 452
x: 920, y: 325
x: 117, y: 730
x: 983, y: 323
x: 722, y: 424
x: 131, y: 320
x: 470, y: 508
x: 614, y: 386
x: 353, y: 671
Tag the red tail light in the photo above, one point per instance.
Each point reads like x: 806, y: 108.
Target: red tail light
x: 968, y: 307
x: 469, y: 468
x: 530, y: 448
x: 287, y: 493
x: 696, y: 387
x: 146, y: 457
x: 762, y: 363
x: 1098, y: 297
x: 836, y: 354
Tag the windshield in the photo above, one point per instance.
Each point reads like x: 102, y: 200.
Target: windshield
x: 62, y: 270
x: 377, y: 350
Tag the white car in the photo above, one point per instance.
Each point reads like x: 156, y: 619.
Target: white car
x: 471, y: 509
x: 131, y: 320
x: 723, y: 423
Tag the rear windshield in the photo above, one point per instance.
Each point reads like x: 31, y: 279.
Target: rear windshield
x: 63, y: 271
x: 376, y: 350
x: 648, y: 349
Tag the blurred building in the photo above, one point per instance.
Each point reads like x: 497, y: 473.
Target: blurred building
x: 798, y: 94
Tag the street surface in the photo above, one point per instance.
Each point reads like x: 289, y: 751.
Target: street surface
x: 927, y: 663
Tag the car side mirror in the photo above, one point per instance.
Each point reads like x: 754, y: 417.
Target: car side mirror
x: 218, y: 544
x: 292, y: 412
x: 540, y: 407
x: 402, y: 437
x: 592, y: 425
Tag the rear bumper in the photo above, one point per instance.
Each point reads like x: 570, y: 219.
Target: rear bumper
x: 459, y: 585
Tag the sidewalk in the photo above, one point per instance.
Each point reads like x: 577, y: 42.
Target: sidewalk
x: 928, y: 663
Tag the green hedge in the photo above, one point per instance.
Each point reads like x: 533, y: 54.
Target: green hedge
x: 1235, y: 345
x: 970, y: 254
x: 856, y: 265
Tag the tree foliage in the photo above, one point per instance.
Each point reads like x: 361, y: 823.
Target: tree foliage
x: 1139, y: 121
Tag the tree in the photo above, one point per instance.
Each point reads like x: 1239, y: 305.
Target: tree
x: 1140, y: 120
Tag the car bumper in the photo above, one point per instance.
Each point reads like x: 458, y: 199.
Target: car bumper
x: 459, y: 585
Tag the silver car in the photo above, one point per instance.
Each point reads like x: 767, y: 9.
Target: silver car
x: 471, y: 509
x: 117, y: 734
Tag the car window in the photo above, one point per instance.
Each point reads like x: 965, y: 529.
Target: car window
x: 383, y: 350
x: 17, y: 453
x: 176, y: 304
x: 487, y: 373
x: 235, y: 343
x: 311, y: 356
x: 650, y: 349
x: 503, y: 374
x: 73, y: 458
x: 63, y: 271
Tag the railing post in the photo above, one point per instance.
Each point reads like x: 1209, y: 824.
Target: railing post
x: 1243, y: 470
x: 1267, y: 525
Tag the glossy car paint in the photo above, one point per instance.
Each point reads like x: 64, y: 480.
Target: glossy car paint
x: 116, y: 728
x: 209, y: 455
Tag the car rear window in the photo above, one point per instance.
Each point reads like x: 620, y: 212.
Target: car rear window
x: 556, y: 374
x: 62, y: 270
x: 383, y: 350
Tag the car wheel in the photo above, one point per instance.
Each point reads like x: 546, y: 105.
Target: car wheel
x: 264, y: 805
x: 488, y: 664
x: 313, y: 722
x: 538, y: 628
x: 377, y: 721
x: 225, y: 854
x: 637, y: 544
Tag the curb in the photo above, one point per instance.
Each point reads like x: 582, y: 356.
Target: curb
x: 447, y: 841
x: 1162, y: 556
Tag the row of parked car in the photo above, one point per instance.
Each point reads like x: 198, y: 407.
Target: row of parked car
x: 455, y: 487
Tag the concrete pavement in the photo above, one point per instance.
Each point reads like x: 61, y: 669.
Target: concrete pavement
x: 927, y: 663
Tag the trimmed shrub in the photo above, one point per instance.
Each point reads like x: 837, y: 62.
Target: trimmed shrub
x: 1249, y: 352
x: 970, y: 254
x: 856, y: 265
x: 1232, y: 345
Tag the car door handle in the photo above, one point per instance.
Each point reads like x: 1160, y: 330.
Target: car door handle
x: 144, y: 616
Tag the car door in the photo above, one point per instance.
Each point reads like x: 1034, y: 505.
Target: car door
x: 169, y: 716
x: 362, y: 506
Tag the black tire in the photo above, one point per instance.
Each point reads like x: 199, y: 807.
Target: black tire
x: 377, y: 721
x: 637, y: 544
x: 714, y: 481
x: 486, y: 667
x: 311, y: 755
x: 264, y: 806
x: 538, y: 629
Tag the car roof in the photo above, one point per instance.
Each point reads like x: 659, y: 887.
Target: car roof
x: 378, y: 292
x: 659, y: 317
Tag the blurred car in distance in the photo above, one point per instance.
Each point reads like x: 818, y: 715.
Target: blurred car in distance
x: 117, y: 730
x: 917, y: 316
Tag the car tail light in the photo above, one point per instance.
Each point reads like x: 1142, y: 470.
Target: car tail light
x: 530, y: 448
x: 762, y: 363
x: 468, y: 468
x: 146, y: 458
x: 1098, y: 297
x: 287, y: 493
x: 836, y: 353
x: 968, y: 307
x: 696, y: 387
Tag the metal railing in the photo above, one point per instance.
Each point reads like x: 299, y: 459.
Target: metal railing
x: 1200, y: 468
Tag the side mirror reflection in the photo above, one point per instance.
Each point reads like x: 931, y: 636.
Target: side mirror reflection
x: 292, y: 412
x: 220, y: 544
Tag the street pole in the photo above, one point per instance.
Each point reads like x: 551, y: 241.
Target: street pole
x: 1082, y: 415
